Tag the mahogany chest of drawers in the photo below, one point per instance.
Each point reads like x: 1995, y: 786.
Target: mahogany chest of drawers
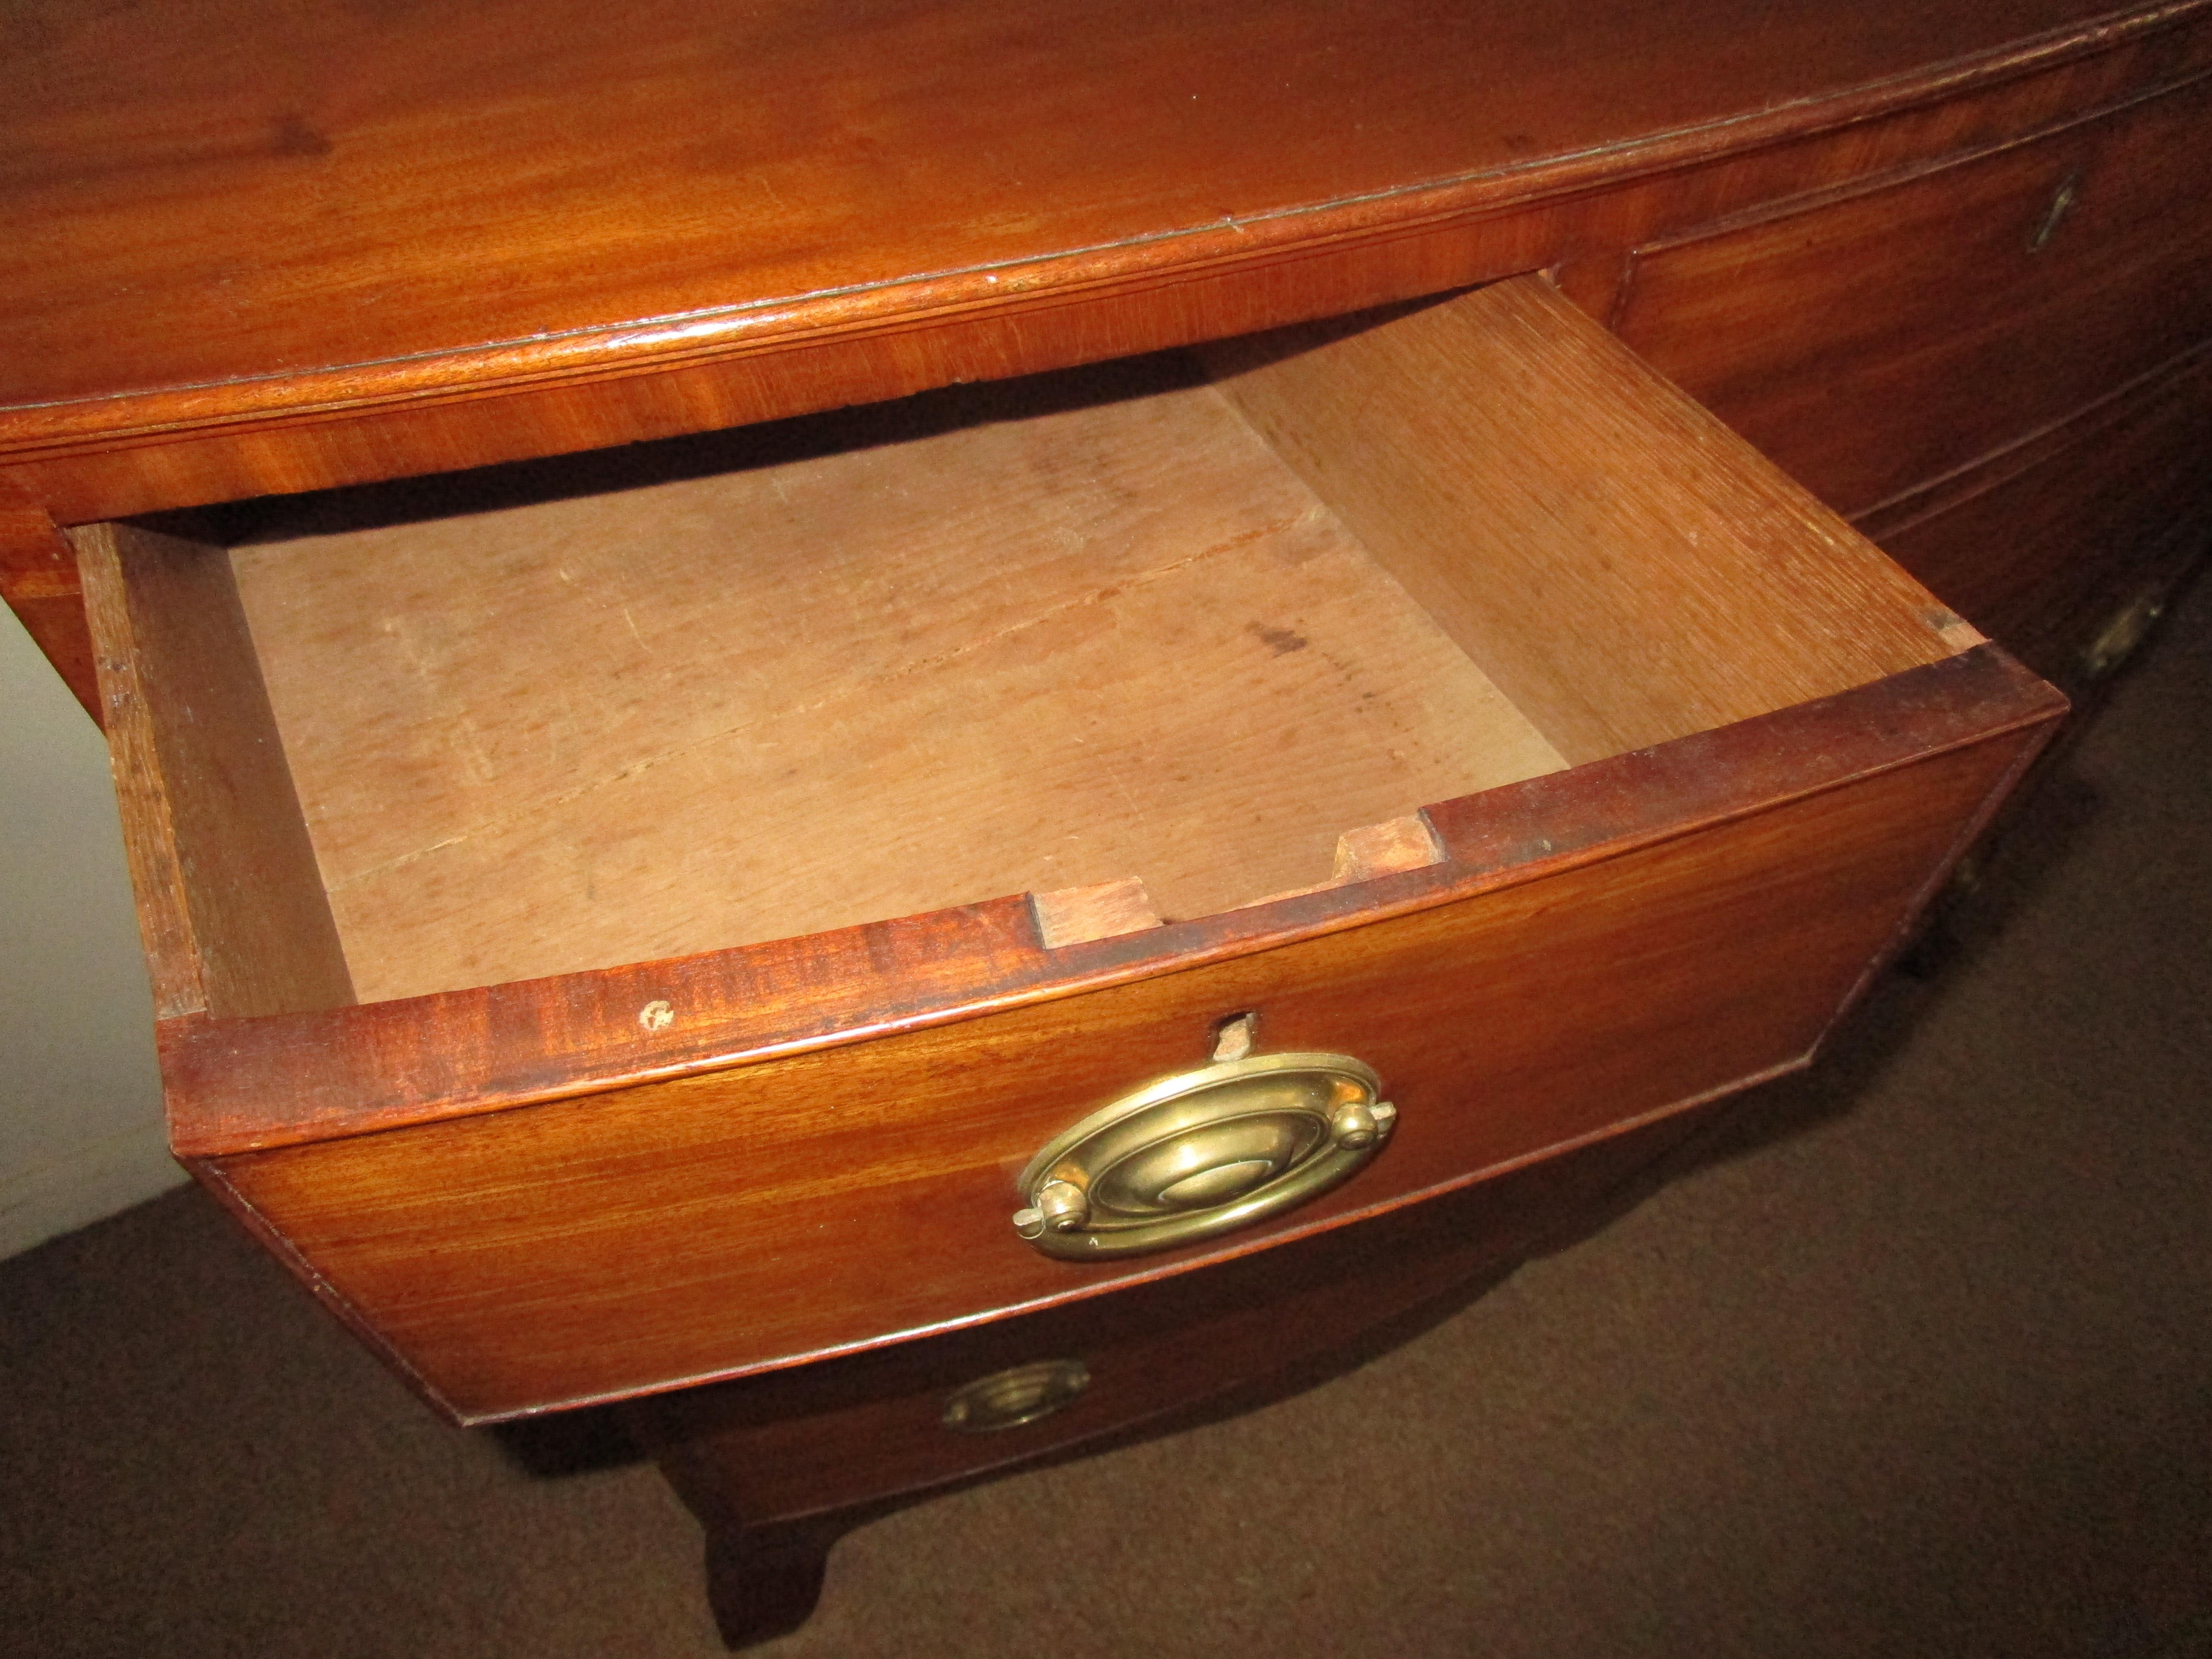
x: 1187, y: 712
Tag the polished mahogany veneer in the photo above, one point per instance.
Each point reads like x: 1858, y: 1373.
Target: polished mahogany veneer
x: 1710, y: 751
x: 623, y: 917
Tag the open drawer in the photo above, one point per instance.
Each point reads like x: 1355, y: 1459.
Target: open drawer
x: 608, y: 942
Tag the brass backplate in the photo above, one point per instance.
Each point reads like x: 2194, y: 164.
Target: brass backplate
x: 1008, y: 1399
x: 1201, y: 1153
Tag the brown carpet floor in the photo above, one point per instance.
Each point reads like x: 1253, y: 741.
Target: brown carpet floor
x: 1915, y: 1357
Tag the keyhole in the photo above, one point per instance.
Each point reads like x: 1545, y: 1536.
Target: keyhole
x: 1234, y: 1038
x: 2060, y: 205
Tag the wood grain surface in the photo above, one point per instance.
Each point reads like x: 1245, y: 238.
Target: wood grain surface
x: 766, y: 1464
x: 599, y: 193
x: 468, y: 278
x: 1623, y: 566
x: 234, y: 1085
x: 445, y: 654
x: 1593, y: 949
x: 38, y: 580
x: 1873, y: 342
x: 1577, y: 210
x: 1082, y: 631
x: 779, y: 1445
x: 2043, y: 541
x: 833, y: 1200
x: 232, y: 913
x: 265, y: 247
x: 1533, y: 966
x: 1058, y: 641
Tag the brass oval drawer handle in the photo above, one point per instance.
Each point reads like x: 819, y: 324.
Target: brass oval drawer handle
x: 1007, y: 1399
x: 1196, y: 1155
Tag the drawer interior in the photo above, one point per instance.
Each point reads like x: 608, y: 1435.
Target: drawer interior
x: 1076, y: 633
x: 1185, y: 619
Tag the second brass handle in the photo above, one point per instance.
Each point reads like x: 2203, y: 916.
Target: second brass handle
x: 1201, y: 1153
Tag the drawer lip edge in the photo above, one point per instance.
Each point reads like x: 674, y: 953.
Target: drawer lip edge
x: 246, y: 1085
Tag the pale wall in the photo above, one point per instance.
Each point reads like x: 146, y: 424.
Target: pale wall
x: 79, y: 1102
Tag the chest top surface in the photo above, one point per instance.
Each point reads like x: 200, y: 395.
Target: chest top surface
x: 236, y: 207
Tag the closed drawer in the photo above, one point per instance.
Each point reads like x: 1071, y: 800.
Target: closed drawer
x: 2055, y: 544
x: 778, y: 1446
x: 1874, y: 342
x: 612, y: 941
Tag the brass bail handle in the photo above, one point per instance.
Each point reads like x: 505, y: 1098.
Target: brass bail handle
x: 1198, y: 1154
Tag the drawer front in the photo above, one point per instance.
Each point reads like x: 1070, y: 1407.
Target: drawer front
x: 752, y: 1217
x: 1872, y: 343
x: 2048, y: 545
x: 779, y: 1447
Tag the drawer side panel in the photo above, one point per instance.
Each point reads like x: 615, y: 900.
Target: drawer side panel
x: 230, y: 903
